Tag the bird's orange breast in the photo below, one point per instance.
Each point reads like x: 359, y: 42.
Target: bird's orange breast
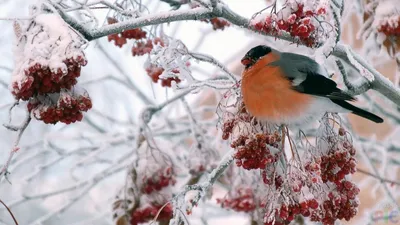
x: 268, y: 95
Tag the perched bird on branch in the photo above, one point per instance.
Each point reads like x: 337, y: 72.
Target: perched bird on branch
x: 288, y: 88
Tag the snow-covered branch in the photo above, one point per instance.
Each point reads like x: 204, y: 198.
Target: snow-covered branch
x: 379, y: 84
x: 20, y: 131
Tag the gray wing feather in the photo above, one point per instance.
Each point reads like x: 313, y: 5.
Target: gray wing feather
x: 309, y: 77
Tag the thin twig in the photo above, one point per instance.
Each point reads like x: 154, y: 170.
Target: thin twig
x: 378, y: 177
x: 8, y: 209
x: 15, y: 148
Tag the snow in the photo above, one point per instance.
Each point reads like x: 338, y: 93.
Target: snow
x: 387, y: 8
x: 48, y: 41
x: 387, y: 13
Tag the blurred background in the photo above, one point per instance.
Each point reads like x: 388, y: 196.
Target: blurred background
x: 70, y: 174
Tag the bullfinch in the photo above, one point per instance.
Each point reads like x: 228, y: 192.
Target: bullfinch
x: 291, y: 89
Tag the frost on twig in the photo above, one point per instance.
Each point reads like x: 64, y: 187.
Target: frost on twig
x: 20, y: 131
x: 354, y: 88
x: 363, y: 71
x: 174, y: 59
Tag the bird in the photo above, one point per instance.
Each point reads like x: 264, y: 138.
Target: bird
x: 292, y: 89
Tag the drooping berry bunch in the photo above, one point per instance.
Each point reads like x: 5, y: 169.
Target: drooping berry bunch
x: 336, y: 165
x: 145, y: 47
x: 341, y: 204
x: 295, y: 19
x: 162, y: 178
x: 390, y: 26
x: 120, y: 39
x: 154, y: 73
x: 287, y: 213
x: 68, y: 108
x: 147, y: 190
x: 48, y: 62
x: 140, y: 46
x: 240, y: 200
x: 328, y: 166
x: 217, y: 23
x: 303, y: 185
x: 40, y: 79
x: 252, y: 151
x: 337, y: 161
x: 148, y: 213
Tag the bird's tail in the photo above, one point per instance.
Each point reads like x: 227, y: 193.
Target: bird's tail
x: 358, y: 111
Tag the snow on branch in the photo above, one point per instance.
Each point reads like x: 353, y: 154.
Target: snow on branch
x: 378, y: 81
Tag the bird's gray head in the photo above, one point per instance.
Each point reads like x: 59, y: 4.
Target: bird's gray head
x: 254, y: 54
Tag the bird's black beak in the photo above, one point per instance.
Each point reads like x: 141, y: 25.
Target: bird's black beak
x: 246, y: 61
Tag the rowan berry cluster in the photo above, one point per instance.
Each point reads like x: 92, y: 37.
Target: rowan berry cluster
x: 161, y: 179
x: 287, y: 213
x: 148, y: 213
x: 336, y: 165
x: 154, y: 73
x: 241, y: 200
x: 217, y: 23
x: 120, y: 39
x: 342, y: 203
x: 322, y: 178
x: 46, y: 77
x: 68, y: 108
x: 270, y: 179
x: 300, y: 23
x: 40, y: 79
x: 390, y: 27
x: 252, y: 151
x: 144, y: 47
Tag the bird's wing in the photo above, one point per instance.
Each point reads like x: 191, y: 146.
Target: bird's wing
x: 316, y: 84
x: 307, y: 77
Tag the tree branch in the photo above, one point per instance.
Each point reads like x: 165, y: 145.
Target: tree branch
x: 15, y: 148
x: 380, y: 83
x: 381, y: 179
x: 8, y: 209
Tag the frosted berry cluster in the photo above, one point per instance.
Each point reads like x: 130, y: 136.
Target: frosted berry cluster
x: 299, y: 23
x: 240, y: 200
x: 252, y: 151
x: 287, y: 213
x: 336, y: 165
x: 389, y: 26
x: 40, y: 79
x: 317, y: 187
x: 120, y: 39
x: 340, y: 203
x: 145, y: 47
x: 217, y: 23
x: 148, y: 213
x: 48, y: 61
x: 68, y: 109
x: 327, y: 169
x: 141, y: 46
x: 162, y: 178
x: 154, y: 73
